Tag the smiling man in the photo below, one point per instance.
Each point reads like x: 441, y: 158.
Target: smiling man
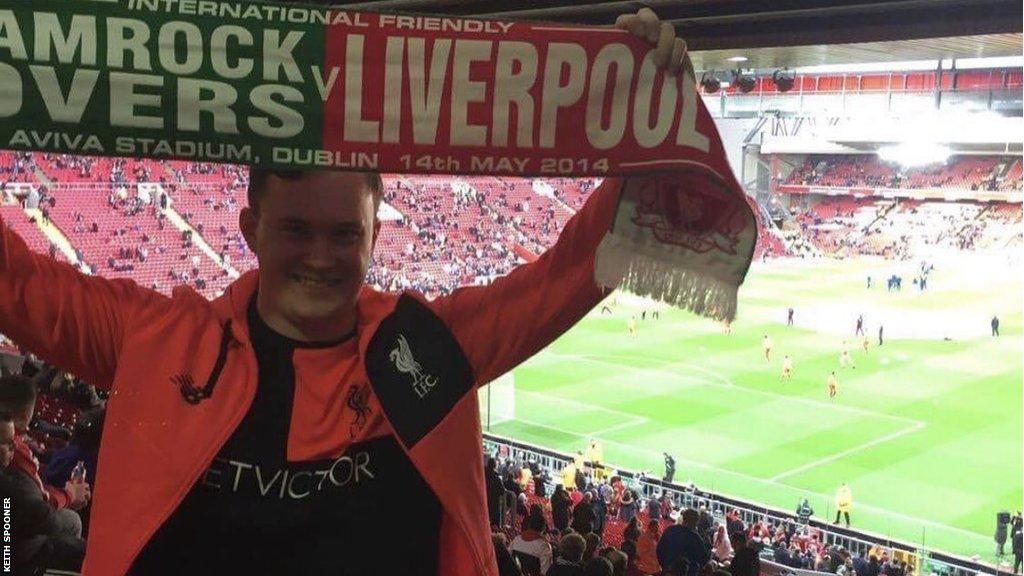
x: 313, y: 233
x: 288, y: 426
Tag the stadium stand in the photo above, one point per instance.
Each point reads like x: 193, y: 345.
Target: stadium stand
x: 960, y: 173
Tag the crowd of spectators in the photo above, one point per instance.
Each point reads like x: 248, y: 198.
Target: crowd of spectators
x: 899, y: 229
x: 602, y: 525
x: 55, y: 421
x: 985, y: 173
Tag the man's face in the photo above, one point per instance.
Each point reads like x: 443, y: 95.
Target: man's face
x: 313, y: 238
x: 6, y: 444
x: 21, y: 416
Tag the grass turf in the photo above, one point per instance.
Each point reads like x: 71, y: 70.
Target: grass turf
x: 925, y: 430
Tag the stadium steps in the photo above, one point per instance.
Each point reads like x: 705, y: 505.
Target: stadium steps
x: 40, y: 175
x: 55, y: 236
x: 180, y: 223
x: 881, y: 216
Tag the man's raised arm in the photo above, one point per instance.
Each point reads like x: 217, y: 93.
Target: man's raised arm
x: 69, y: 319
x: 500, y: 325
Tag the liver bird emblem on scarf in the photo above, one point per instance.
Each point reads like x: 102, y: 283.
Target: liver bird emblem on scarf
x: 401, y: 356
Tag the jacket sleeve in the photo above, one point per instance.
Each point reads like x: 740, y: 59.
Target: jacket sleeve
x: 500, y: 325
x: 33, y: 514
x: 70, y: 319
x: 57, y: 497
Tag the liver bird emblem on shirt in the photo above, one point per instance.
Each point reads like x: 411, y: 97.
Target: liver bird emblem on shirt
x: 405, y: 362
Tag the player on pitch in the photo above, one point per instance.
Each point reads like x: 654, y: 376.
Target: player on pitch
x: 787, y: 369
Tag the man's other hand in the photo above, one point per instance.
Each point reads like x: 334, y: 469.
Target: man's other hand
x: 80, y: 494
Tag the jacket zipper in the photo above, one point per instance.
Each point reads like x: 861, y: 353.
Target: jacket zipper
x: 203, y: 463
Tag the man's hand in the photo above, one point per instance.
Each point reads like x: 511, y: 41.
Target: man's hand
x: 670, y: 52
x: 80, y: 494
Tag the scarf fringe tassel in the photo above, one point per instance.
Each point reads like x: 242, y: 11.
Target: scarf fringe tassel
x: 652, y: 272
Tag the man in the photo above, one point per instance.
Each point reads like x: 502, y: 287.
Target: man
x: 531, y: 548
x: 287, y: 414
x: 804, y: 511
x: 844, y: 502
x: 844, y: 357
x: 654, y: 507
x: 680, y: 542
x: 670, y: 468
x: 583, y: 517
x: 787, y: 369
x: 833, y: 385
x: 995, y: 326
x: 18, y: 398
x: 865, y: 344
x: 1017, y: 540
x: 38, y: 536
x: 789, y: 317
x: 631, y: 326
x: 860, y: 326
x: 745, y: 561
x: 570, y: 556
x: 880, y: 328
x: 595, y: 458
x: 766, y: 347
x: 495, y: 490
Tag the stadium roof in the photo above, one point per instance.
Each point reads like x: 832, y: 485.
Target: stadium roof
x: 778, y: 33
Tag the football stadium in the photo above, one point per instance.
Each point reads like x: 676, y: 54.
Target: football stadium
x: 776, y: 333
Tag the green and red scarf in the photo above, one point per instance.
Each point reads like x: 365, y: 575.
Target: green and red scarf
x: 293, y: 86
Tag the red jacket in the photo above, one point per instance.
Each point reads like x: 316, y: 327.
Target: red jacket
x: 134, y: 341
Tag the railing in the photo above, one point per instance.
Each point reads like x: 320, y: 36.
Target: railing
x: 925, y: 561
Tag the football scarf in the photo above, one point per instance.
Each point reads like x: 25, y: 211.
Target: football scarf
x: 291, y: 86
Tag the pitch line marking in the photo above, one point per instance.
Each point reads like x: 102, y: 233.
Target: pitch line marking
x: 635, y: 418
x: 847, y: 452
x: 724, y: 382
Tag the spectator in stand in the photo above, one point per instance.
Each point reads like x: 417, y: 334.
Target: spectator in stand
x: 38, y: 538
x: 682, y: 542
x: 654, y: 507
x: 720, y: 544
x: 561, y: 506
x: 593, y: 546
x: 630, y: 505
x: 598, y: 566
x: 537, y: 515
x: 745, y: 561
x: 632, y: 531
x: 646, y: 548
x: 618, y: 559
x: 530, y: 547
x: 570, y: 556
x: 583, y: 515
x: 705, y: 523
x: 18, y: 398
x: 667, y: 506
x: 506, y: 565
x: 600, y: 508
x: 860, y: 564
x: 84, y: 447
x: 632, y: 564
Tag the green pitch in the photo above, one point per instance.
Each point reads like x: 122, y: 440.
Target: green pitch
x: 926, y: 430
